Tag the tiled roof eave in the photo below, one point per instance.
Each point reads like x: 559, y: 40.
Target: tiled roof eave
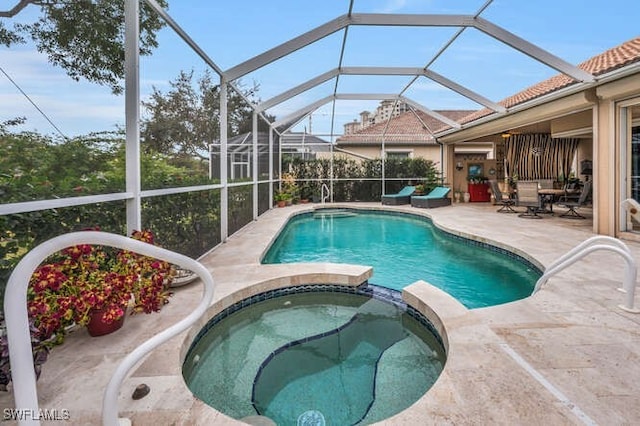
x: 492, y: 116
x: 566, y: 90
x: 611, y: 65
x: 387, y: 142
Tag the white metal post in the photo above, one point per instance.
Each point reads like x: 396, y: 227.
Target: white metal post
x: 382, y: 158
x: 132, y: 113
x: 210, y: 162
x: 280, y: 161
x: 270, y: 166
x: 331, y: 173
x: 224, y: 191
x: 254, y: 171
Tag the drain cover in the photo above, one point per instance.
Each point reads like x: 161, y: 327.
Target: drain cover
x: 311, y: 418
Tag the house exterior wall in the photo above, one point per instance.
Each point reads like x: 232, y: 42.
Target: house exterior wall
x: 429, y: 152
x: 460, y: 181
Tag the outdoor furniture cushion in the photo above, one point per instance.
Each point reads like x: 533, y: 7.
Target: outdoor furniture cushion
x: 438, y: 197
x: 401, y: 197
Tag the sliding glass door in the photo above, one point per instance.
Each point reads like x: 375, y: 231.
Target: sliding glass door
x: 630, y: 161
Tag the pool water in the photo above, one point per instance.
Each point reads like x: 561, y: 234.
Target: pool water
x: 402, y: 249
x: 349, y: 358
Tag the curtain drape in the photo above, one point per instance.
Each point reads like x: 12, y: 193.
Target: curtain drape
x: 538, y: 156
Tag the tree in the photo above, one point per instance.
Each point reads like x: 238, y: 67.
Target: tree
x: 186, y: 119
x: 84, y: 37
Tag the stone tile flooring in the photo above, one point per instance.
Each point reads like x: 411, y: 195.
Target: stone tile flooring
x: 567, y: 355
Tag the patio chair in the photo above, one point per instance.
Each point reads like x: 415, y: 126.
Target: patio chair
x: 571, y: 192
x: 528, y: 197
x: 401, y: 197
x: 506, y: 202
x: 573, y: 205
x: 438, y: 197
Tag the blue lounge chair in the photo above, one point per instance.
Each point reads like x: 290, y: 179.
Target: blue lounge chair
x: 401, y: 197
x: 438, y: 197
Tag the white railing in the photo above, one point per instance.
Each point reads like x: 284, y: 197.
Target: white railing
x: 17, y: 322
x: 598, y: 242
x: 324, y: 197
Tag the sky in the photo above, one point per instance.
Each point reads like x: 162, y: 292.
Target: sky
x: 233, y: 32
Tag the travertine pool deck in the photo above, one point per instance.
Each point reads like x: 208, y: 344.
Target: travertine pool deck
x: 567, y: 355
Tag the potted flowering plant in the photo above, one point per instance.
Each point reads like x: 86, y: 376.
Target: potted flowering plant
x: 289, y: 187
x: 420, y: 189
x: 281, y: 198
x: 94, y: 285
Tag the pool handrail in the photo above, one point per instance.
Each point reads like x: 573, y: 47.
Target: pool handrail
x: 595, y: 243
x: 323, y: 197
x: 17, y: 322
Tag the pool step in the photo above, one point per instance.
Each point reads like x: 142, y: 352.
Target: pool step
x: 333, y: 213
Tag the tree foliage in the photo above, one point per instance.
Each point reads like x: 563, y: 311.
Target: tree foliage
x: 186, y: 119
x: 357, y: 180
x: 40, y: 167
x: 84, y: 37
x: 36, y: 167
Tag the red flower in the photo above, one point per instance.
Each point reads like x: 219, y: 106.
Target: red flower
x: 85, y: 277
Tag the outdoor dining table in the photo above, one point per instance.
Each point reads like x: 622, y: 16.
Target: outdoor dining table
x: 550, y: 196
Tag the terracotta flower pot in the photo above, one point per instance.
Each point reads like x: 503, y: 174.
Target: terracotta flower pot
x: 98, y: 327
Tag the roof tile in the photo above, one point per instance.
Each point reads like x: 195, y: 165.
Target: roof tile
x: 406, y: 127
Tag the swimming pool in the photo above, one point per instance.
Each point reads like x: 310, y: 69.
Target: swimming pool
x: 404, y: 248
x: 341, y: 352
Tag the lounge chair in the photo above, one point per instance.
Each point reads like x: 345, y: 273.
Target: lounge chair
x: 573, y: 205
x: 438, y: 197
x: 506, y: 202
x: 401, y: 197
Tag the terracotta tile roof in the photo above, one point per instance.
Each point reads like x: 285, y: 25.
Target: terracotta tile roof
x: 610, y: 60
x: 405, y: 128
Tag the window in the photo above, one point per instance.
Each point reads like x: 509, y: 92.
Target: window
x: 398, y: 155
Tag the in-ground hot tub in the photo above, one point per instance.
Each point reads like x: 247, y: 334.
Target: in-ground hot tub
x: 341, y: 354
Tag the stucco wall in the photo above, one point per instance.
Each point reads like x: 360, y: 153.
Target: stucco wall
x: 460, y: 176
x: 430, y: 152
